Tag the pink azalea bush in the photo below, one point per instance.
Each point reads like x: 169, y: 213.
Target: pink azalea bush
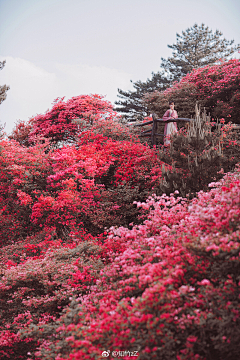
x: 174, y: 291
x: 215, y: 87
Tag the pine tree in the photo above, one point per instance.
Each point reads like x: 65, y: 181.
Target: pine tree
x: 131, y: 104
x: 198, y: 155
x: 3, y: 88
x: 198, y: 46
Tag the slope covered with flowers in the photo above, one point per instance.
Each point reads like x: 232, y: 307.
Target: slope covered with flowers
x: 169, y: 289
x: 92, y: 261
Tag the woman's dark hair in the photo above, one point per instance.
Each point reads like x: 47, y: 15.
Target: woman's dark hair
x: 170, y: 102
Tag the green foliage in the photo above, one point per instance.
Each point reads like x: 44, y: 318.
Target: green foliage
x: 215, y: 87
x: 198, y: 46
x: 199, y: 155
x: 3, y: 88
x: 131, y: 103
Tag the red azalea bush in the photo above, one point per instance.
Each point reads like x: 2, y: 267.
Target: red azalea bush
x: 60, y: 123
x: 88, y: 185
x: 86, y: 179
x: 67, y: 119
x: 37, y: 289
x: 215, y: 87
x: 23, y: 174
x: 21, y: 132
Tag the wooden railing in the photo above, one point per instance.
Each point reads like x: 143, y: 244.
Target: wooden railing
x: 157, y: 125
x: 153, y: 133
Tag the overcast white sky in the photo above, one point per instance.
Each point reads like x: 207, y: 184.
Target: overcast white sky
x: 56, y: 48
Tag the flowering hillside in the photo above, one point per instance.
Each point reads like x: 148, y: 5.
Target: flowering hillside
x: 94, y: 265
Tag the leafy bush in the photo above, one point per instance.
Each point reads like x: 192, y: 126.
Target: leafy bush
x: 215, y: 87
x: 199, y: 155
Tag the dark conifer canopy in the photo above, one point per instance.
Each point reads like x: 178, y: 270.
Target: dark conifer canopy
x: 3, y: 88
x: 196, y: 47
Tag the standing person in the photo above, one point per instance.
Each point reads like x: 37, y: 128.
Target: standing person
x: 170, y: 127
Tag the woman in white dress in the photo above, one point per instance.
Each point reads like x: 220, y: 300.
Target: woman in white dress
x: 170, y: 127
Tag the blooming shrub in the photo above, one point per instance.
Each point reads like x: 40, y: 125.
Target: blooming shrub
x: 21, y: 132
x: 23, y: 174
x: 61, y: 122
x: 37, y: 289
x: 88, y: 185
x: 215, y: 87
x: 67, y: 119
